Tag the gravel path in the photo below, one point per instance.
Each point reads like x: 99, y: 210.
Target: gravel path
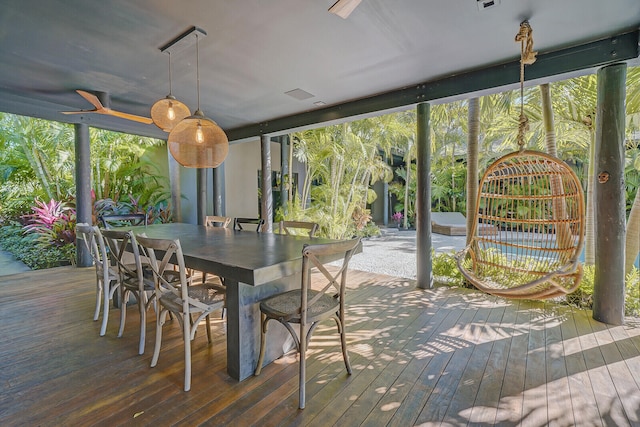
x: 394, y: 252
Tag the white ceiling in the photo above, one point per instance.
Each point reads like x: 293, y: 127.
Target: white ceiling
x: 256, y: 50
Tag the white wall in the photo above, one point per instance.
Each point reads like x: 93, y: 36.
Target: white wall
x: 241, y: 177
x: 241, y: 182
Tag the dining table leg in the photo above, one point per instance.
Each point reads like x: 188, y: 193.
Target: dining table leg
x: 243, y: 326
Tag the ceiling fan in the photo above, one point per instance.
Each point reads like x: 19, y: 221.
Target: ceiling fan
x: 101, y: 109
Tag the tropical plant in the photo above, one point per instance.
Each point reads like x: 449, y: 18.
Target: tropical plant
x: 341, y: 162
x: 54, y: 225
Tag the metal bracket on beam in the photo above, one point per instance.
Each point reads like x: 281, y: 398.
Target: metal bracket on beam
x: 184, y: 40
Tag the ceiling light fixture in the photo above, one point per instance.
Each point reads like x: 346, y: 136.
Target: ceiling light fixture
x: 343, y: 8
x: 166, y: 113
x: 197, y: 141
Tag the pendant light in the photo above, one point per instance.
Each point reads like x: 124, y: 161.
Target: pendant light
x: 197, y: 141
x: 166, y: 113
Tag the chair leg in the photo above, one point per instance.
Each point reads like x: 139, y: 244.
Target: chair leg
x: 96, y: 314
x: 123, y: 311
x: 187, y: 354
x: 105, y: 309
x: 209, y: 329
x: 345, y: 353
x: 303, y: 366
x: 143, y: 322
x: 263, y: 344
x: 160, y: 319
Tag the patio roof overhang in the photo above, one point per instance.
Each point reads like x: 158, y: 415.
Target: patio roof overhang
x: 385, y: 56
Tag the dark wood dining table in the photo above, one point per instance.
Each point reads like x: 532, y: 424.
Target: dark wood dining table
x: 254, y: 266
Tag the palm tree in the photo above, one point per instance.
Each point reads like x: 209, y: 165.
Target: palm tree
x: 632, y: 238
x: 472, y: 163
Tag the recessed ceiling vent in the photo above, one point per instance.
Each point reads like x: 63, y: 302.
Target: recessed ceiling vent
x: 487, y: 4
x: 299, y: 94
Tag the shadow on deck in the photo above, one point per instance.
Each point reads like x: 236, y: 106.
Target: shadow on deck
x: 451, y: 356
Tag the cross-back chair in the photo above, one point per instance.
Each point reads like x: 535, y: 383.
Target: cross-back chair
x: 222, y: 222
x: 241, y: 223
x: 298, y: 227
x: 107, y: 280
x: 123, y: 220
x: 178, y: 297
x: 125, y: 254
x: 217, y: 221
x: 307, y: 307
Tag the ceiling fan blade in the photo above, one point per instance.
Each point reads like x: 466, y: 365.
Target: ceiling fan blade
x: 343, y: 8
x: 79, y: 112
x: 91, y: 98
x: 127, y: 116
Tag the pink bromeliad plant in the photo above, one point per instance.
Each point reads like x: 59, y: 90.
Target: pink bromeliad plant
x: 54, y: 222
x: 397, y: 217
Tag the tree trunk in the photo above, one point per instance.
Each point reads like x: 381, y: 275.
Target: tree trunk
x: 632, y: 239
x: 564, y: 237
x: 472, y: 164
x: 589, y: 241
x: 405, y: 222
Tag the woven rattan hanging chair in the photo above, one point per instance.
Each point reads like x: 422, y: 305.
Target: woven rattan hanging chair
x: 528, y: 230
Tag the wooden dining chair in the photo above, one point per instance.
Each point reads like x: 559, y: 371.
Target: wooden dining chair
x: 217, y: 221
x: 134, y: 280
x: 107, y: 279
x: 239, y: 222
x: 123, y: 220
x: 178, y: 297
x: 298, y: 227
x: 222, y: 222
x: 308, y: 307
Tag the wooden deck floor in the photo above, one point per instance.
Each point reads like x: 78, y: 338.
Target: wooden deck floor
x: 442, y: 356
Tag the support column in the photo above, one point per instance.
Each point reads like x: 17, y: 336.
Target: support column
x: 201, y: 188
x: 609, y: 191
x: 285, y: 176
x: 423, y: 199
x: 174, y: 179
x: 385, y: 196
x: 267, y: 199
x: 219, y: 194
x: 83, y: 188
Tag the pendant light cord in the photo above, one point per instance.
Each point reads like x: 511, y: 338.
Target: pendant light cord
x: 198, y: 70
x: 170, y: 88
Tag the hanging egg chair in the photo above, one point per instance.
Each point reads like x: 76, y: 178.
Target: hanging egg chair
x: 534, y: 203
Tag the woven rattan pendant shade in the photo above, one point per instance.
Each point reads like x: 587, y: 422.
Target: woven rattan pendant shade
x: 166, y: 113
x: 198, y: 142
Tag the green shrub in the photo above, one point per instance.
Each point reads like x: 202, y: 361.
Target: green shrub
x: 26, y: 248
x: 446, y: 271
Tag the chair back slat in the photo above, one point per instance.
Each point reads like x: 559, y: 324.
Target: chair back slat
x: 312, y: 257
x: 94, y: 242
x: 298, y: 227
x: 258, y: 222
x: 217, y: 221
x: 121, y: 243
x: 123, y: 220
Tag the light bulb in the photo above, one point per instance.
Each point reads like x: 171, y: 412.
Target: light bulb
x: 199, y: 134
x: 171, y: 114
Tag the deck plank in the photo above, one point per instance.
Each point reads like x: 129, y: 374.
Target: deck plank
x: 450, y: 356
